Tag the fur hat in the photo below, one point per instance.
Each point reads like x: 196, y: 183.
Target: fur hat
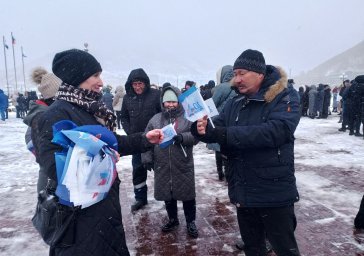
x: 169, y: 95
x: 75, y: 66
x: 48, y: 83
x: 251, y: 60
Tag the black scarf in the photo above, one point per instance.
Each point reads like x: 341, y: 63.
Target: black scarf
x: 89, y: 101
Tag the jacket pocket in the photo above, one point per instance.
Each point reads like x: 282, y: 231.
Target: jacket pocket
x: 274, y: 173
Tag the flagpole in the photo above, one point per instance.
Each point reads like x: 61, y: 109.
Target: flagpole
x: 12, y: 43
x: 6, y: 66
x: 22, y: 59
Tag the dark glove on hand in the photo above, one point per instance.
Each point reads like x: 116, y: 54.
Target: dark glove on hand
x: 219, y: 133
x: 178, y: 139
x: 148, y: 166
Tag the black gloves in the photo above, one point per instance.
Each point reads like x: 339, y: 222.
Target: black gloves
x: 178, y: 139
x: 219, y: 133
x: 148, y: 166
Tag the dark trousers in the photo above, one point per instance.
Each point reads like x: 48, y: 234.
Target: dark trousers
x: 359, y: 219
x: 118, y: 119
x: 189, y: 208
x: 276, y: 224
x: 139, y: 178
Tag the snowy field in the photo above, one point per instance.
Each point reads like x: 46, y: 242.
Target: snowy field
x: 329, y: 171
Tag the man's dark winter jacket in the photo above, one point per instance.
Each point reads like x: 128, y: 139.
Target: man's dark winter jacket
x: 137, y: 110
x: 259, y: 143
x: 99, y: 229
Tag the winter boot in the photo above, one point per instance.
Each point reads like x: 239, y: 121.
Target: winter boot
x: 140, y: 198
x: 192, y: 229
x: 219, y: 165
x: 240, y: 244
x: 351, y: 132
x: 137, y: 205
x: 342, y: 129
x: 172, y: 224
x: 359, y: 235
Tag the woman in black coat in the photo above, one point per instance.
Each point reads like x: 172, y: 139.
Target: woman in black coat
x: 98, y: 229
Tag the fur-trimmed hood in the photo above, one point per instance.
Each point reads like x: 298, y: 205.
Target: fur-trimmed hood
x: 274, y: 82
x: 278, y: 85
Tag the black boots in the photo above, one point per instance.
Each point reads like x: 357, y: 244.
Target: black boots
x: 172, y: 224
x: 192, y: 229
x: 137, y: 205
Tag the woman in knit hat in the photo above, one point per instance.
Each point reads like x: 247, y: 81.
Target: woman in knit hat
x: 174, y: 164
x: 98, y: 229
x: 48, y: 85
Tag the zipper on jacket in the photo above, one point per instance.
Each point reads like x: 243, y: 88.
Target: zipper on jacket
x: 279, y: 154
x: 169, y: 160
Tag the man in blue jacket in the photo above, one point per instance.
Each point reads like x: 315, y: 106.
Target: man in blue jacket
x: 255, y: 131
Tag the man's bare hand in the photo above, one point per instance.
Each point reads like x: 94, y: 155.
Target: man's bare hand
x: 201, y: 125
x: 155, y: 136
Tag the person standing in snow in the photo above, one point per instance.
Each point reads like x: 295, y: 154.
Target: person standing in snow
x: 255, y: 131
x: 3, y: 105
x: 98, y: 229
x: 48, y: 85
x: 174, y: 174
x: 140, y: 104
x: 117, y: 103
x: 222, y: 93
x: 108, y: 98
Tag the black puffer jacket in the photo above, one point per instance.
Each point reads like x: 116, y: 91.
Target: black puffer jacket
x: 259, y: 143
x: 137, y: 110
x: 99, y: 228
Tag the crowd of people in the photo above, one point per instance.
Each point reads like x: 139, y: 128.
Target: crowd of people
x: 253, y: 139
x: 346, y: 100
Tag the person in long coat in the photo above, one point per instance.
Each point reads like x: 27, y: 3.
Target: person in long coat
x: 98, y: 229
x: 174, y: 175
x: 312, y: 95
x: 117, y: 103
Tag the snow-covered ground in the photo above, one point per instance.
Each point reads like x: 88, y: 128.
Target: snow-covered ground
x: 329, y: 171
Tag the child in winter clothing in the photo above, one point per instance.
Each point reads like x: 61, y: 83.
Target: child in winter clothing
x: 174, y: 176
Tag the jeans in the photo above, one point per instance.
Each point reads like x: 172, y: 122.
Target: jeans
x: 2, y: 114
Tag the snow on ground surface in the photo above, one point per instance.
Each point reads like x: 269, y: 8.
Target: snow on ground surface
x: 329, y: 171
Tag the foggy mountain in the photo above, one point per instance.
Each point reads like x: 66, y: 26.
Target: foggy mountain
x: 346, y: 65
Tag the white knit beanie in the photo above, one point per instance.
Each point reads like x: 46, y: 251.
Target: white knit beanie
x: 48, y: 83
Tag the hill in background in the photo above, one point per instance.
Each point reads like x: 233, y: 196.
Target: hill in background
x: 346, y: 65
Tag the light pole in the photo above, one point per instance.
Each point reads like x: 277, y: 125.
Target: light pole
x: 343, y: 76
x: 86, y: 45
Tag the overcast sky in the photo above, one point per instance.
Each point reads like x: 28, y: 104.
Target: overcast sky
x: 123, y: 35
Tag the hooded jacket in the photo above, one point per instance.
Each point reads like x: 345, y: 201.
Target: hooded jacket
x: 259, y: 143
x: 223, y: 91
x: 174, y: 175
x: 136, y: 109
